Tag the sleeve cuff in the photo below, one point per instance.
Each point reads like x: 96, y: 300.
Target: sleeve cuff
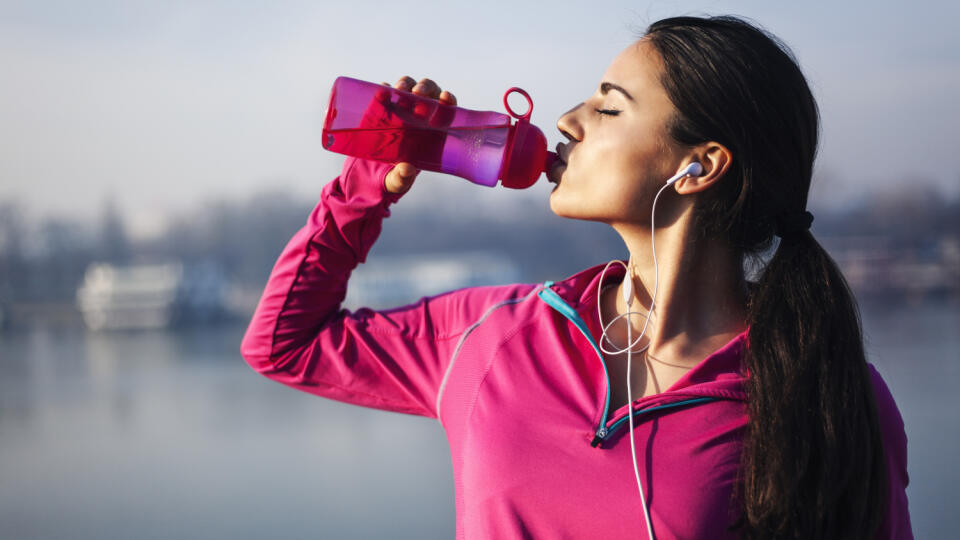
x: 365, y: 179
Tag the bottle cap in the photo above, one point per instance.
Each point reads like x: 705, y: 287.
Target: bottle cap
x: 527, y: 156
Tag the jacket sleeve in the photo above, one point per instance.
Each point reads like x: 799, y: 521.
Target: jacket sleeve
x: 896, y: 524
x: 392, y: 360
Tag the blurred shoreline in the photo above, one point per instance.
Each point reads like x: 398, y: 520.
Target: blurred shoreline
x: 896, y: 248
x: 902, y: 288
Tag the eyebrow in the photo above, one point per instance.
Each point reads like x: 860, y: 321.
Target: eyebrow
x: 607, y: 86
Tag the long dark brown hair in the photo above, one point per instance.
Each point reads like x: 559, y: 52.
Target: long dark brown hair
x: 813, y: 462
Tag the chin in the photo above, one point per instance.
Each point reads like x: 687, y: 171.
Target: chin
x: 570, y: 210
x: 556, y: 204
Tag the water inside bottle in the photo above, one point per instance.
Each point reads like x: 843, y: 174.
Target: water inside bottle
x: 474, y: 152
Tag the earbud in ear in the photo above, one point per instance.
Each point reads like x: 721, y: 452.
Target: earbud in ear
x: 693, y: 169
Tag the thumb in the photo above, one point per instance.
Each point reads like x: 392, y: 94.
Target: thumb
x: 400, y: 178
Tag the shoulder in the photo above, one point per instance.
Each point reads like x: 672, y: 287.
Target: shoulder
x: 891, y: 423
x: 479, y: 297
x: 462, y: 308
x: 572, y: 286
x: 886, y: 405
x: 452, y: 312
x: 509, y: 304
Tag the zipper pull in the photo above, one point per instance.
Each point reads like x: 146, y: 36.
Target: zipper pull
x: 598, y: 437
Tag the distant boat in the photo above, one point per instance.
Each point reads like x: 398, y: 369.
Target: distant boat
x: 149, y: 295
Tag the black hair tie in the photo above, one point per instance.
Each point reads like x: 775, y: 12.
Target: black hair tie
x: 794, y: 226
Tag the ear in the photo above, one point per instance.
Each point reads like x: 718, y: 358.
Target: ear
x: 715, y: 159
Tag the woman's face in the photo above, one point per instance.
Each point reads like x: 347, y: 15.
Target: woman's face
x: 619, y: 152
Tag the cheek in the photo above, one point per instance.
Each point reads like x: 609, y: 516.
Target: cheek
x: 604, y: 161
x: 627, y: 150
x: 632, y: 179
x: 614, y: 178
x: 624, y: 169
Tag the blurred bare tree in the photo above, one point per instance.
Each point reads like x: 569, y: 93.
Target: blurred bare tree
x: 112, y: 243
x: 12, y: 264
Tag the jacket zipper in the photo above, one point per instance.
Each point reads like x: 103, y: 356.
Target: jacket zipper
x: 616, y: 425
x: 602, y: 432
x: 553, y: 299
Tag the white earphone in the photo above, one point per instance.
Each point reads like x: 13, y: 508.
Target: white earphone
x: 693, y: 169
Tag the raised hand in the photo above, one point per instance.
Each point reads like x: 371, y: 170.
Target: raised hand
x: 400, y: 179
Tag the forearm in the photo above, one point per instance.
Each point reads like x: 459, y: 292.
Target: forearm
x: 309, y: 280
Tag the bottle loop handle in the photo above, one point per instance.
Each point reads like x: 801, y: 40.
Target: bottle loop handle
x: 521, y: 91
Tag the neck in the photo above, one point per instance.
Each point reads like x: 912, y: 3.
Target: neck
x: 701, y: 295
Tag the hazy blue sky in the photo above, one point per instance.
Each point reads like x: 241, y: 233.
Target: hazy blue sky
x: 167, y: 104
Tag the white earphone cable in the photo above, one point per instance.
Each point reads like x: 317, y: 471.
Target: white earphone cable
x: 630, y: 342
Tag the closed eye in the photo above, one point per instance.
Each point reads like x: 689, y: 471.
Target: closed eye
x: 608, y: 112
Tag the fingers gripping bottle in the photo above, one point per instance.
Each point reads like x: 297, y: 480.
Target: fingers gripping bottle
x: 374, y: 121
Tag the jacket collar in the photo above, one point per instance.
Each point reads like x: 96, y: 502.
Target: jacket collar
x: 721, y: 374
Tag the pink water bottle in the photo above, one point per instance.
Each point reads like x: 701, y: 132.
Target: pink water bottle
x: 374, y: 121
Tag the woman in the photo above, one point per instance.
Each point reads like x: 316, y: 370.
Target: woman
x: 755, y: 413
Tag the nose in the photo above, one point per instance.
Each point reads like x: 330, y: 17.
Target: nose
x: 569, y: 124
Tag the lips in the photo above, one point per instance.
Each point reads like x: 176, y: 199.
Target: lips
x: 558, y: 166
x: 553, y: 175
x: 561, y: 153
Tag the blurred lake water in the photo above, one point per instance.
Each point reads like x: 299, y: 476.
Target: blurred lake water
x: 163, y: 434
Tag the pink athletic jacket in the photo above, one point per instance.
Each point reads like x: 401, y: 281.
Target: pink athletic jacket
x: 514, y: 375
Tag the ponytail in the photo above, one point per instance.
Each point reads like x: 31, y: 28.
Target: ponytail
x: 813, y: 457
